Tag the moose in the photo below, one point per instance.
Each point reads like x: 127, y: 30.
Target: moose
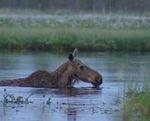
x: 65, y: 75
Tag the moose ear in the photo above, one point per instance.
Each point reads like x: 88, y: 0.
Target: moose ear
x: 75, y: 52
x: 70, y: 57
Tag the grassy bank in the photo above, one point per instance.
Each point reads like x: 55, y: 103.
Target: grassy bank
x: 65, y: 32
x: 138, y: 107
x: 40, y: 38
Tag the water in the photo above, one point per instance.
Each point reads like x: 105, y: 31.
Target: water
x: 120, y: 71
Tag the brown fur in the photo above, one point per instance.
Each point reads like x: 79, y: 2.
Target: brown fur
x: 65, y: 76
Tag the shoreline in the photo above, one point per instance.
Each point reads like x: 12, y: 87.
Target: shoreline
x: 66, y: 32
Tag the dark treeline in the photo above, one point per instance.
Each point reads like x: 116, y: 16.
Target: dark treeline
x: 80, y: 5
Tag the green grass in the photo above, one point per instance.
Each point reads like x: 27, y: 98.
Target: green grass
x: 66, y: 38
x: 137, y: 107
x: 65, y: 32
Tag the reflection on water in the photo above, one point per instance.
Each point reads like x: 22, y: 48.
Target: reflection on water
x: 119, y: 70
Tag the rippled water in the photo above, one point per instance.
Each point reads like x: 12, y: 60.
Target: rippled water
x: 81, y: 103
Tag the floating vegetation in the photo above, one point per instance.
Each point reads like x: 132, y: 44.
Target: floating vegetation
x: 48, y: 102
x: 12, y: 99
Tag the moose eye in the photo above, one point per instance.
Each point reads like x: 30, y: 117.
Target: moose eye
x: 81, y: 67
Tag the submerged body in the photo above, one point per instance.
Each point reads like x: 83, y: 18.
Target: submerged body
x: 65, y: 76
x: 39, y: 78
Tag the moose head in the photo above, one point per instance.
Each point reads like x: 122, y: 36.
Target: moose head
x: 81, y: 71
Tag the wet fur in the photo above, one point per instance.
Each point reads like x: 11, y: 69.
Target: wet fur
x: 43, y: 79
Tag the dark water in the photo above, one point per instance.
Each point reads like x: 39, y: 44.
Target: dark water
x: 82, y: 103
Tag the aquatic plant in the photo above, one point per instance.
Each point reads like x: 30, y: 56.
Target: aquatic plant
x: 11, y: 99
x: 48, y: 102
x: 138, y: 107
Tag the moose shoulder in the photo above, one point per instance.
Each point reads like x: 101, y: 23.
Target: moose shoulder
x: 64, y: 76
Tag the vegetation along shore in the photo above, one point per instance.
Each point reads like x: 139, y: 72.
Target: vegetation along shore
x: 65, y: 32
x: 137, y: 107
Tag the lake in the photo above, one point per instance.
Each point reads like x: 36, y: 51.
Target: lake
x: 121, y: 71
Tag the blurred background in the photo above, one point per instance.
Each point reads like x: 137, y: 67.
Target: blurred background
x: 100, y: 6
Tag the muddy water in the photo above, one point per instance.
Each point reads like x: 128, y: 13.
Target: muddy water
x: 81, y: 103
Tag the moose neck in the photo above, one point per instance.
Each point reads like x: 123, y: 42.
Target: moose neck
x: 61, y: 69
x: 63, y: 75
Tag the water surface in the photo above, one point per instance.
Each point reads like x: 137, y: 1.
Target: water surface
x: 81, y: 103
